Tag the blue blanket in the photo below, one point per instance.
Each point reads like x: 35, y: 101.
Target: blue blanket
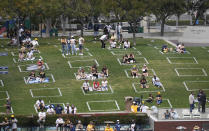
x: 46, y: 80
x: 3, y: 72
x: 3, y: 67
x: 3, y: 54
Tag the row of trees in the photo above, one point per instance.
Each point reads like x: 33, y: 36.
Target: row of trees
x: 52, y: 12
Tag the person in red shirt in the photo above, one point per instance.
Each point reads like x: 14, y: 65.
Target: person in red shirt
x: 40, y: 64
x: 96, y: 85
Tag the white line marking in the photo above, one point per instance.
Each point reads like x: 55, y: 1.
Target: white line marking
x: 12, y: 53
x: 169, y: 103
x: 123, y: 52
x: 60, y: 94
x: 53, y: 78
x: 140, y: 63
x: 25, y: 80
x: 187, y: 88
x: 156, y: 47
x: 96, y: 62
x: 203, y: 71
x: 14, y: 60
x: 109, y: 86
x: 70, y: 62
x: 55, y: 46
x: 170, y: 62
x: 47, y: 67
x: 90, y: 54
x: 203, y: 47
x: 161, y: 52
x: 2, y: 83
x: 157, y: 89
x: 7, y: 94
x: 41, y: 57
x: 134, y: 48
x: 19, y: 68
x: 86, y: 49
x: 105, y: 101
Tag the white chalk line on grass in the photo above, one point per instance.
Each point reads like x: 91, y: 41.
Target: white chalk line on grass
x: 31, y: 92
x: 122, y: 52
x: 69, y: 62
x: 203, y: 71
x: 12, y: 53
x: 63, y: 104
x: 12, y: 111
x: 55, y: 46
x: 135, y: 89
x: 74, y: 56
x: 7, y: 94
x: 170, y: 62
x: 2, y: 83
x: 15, y: 61
x: 146, y: 62
x: 187, y: 88
x: 134, y: 48
x: 102, y: 92
x: 52, y: 76
x: 105, y: 101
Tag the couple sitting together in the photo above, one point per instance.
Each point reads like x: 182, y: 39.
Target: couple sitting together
x: 41, y: 78
x: 135, y: 72
x: 128, y: 59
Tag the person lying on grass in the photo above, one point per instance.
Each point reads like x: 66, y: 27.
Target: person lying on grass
x: 158, y: 98
x: 143, y: 82
x: 145, y: 70
x: 134, y: 72
x: 156, y: 81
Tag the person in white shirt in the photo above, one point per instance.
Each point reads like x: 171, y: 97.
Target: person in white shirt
x: 191, y: 101
x: 126, y: 44
x: 156, y: 81
x: 67, y: 109
x: 113, y: 44
x: 144, y: 108
x: 86, y: 86
x: 50, y: 111
x: 154, y: 110
x: 34, y: 43
x: 74, y: 109
x: 103, y: 38
x: 174, y: 114
x: 104, y: 85
x: 118, y: 31
x: 72, y: 44
x: 59, y: 123
x: 41, y: 118
x: 80, y: 45
x: 39, y: 104
x: 30, y: 55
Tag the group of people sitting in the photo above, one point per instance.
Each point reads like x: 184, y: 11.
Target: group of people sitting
x: 51, y: 109
x: 94, y: 74
x: 172, y: 114
x: 180, y: 48
x: 97, y: 86
x: 128, y: 59
x: 41, y: 78
x: 155, y: 81
x: 139, y: 105
x: 135, y: 72
x: 125, y: 44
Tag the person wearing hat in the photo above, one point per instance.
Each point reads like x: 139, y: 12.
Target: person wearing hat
x: 134, y: 107
x: 117, y: 125
x: 13, y: 122
x: 134, y: 72
x: 108, y: 128
x: 159, y: 98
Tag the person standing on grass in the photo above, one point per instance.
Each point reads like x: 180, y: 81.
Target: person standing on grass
x: 198, y: 98
x: 102, y: 39
x: 203, y: 101
x: 191, y: 101
x: 118, y: 31
x: 64, y: 45
x: 80, y: 45
x: 68, y: 46
x: 72, y: 44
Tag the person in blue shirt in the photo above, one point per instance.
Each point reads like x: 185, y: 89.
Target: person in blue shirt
x: 58, y: 109
x: 117, y: 126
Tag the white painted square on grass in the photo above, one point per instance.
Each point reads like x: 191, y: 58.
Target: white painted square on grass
x: 88, y: 54
x: 51, y: 80
x: 104, y: 101
x: 15, y: 60
x: 123, y: 52
x: 192, y: 58
x: 1, y: 83
x: 21, y: 70
x: 137, y: 85
x: 99, y: 92
x: 40, y: 89
x: 177, y: 70
x: 128, y: 72
x: 188, y: 88
x: 6, y: 93
x: 137, y: 62
x: 85, y: 61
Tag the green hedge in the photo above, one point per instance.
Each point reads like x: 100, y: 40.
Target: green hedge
x: 28, y: 121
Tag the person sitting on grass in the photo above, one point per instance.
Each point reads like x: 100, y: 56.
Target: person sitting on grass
x: 32, y: 77
x: 181, y: 48
x: 59, y: 123
x: 30, y: 56
x: 113, y: 44
x: 143, y: 82
x: 126, y: 44
x: 158, y: 98
x: 74, y: 109
x: 40, y: 64
x: 42, y: 76
x: 144, y: 108
x: 39, y: 104
x: 105, y: 71
x: 135, y: 72
x: 164, y: 49
x: 104, y: 86
x: 94, y: 71
x: 125, y: 59
x: 150, y: 98
x: 81, y: 73
x: 134, y: 107
x: 86, y: 87
x: 156, y: 81
x: 21, y: 55
x: 131, y: 59
x: 145, y: 70
x: 50, y: 110
x: 96, y: 86
x: 34, y: 43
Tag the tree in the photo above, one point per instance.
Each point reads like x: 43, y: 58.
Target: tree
x: 162, y: 9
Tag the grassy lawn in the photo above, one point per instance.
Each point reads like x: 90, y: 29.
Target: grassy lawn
x: 175, y: 91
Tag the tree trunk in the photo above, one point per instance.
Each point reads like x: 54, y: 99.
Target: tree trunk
x: 63, y: 23
x: 177, y: 20
x: 162, y: 27
x: 133, y: 28
x: 190, y: 19
x: 48, y: 27
x: 81, y: 28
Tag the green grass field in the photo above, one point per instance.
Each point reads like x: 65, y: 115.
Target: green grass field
x: 70, y: 88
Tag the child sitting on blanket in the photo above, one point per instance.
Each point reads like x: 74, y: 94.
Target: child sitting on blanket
x: 131, y: 59
x: 125, y: 58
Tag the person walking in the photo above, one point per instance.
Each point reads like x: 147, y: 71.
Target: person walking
x: 203, y: 101
x: 191, y: 101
